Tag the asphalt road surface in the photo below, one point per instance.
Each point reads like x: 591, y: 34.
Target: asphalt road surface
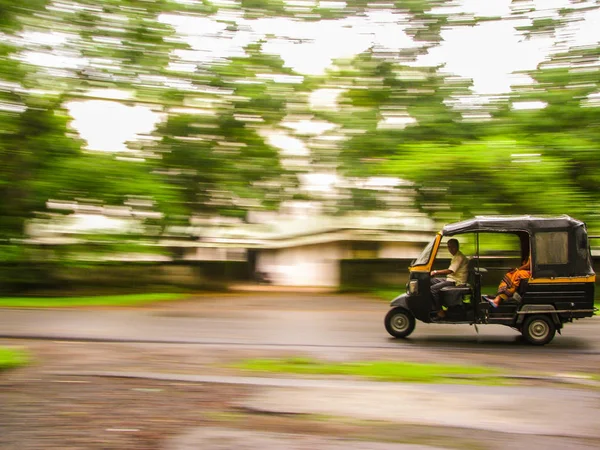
x: 321, y: 322
x: 171, y: 343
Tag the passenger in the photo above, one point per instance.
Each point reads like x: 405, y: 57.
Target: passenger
x: 456, y: 273
x: 510, y: 283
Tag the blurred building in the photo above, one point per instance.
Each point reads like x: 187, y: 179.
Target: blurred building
x: 307, y: 251
x: 295, y: 246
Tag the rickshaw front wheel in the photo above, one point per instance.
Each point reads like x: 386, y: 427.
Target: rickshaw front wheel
x: 399, y: 322
x: 538, y: 329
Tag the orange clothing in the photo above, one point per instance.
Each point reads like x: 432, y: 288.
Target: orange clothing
x: 511, y: 281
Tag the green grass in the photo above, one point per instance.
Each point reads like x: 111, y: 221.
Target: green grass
x: 101, y: 300
x: 378, y: 370
x: 10, y: 358
x: 389, y: 294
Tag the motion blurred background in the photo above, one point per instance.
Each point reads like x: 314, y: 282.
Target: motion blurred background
x: 197, y: 143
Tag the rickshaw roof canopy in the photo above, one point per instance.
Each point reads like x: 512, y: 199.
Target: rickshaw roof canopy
x: 511, y: 224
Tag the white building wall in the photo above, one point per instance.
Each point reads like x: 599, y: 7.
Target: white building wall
x: 216, y: 254
x: 319, y: 265
x: 407, y: 250
x: 309, y: 265
x: 209, y: 254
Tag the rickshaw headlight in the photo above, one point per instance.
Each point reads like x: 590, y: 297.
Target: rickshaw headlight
x: 413, y: 287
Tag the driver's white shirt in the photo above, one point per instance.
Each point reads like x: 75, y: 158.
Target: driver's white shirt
x: 459, y: 265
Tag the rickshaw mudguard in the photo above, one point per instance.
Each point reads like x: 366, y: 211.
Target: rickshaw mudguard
x: 400, y: 301
x: 538, y: 309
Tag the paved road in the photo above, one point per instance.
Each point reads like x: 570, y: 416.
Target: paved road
x: 295, y: 320
x: 347, y: 327
x: 488, y: 407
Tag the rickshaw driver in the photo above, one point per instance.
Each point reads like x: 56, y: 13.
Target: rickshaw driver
x: 456, y: 274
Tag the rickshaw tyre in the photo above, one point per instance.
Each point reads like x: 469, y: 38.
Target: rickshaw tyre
x: 399, y: 322
x: 538, y: 329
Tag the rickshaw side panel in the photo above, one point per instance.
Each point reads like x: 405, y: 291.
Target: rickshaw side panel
x: 570, y: 300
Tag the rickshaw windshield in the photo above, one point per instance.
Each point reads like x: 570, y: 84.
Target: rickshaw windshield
x: 425, y: 255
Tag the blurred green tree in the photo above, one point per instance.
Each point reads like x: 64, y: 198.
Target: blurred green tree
x: 534, y: 150
x: 217, y: 154
x: 34, y: 129
x: 211, y: 154
x: 42, y: 157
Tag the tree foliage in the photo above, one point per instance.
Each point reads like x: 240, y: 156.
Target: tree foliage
x: 540, y: 159
x: 211, y: 153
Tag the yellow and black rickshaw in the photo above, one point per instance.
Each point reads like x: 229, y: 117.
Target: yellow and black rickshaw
x: 560, y: 287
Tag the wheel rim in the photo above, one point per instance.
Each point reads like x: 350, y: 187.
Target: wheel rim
x: 539, y: 330
x: 400, y: 322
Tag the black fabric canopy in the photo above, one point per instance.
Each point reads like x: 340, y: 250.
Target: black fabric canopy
x: 511, y: 224
x: 577, y: 261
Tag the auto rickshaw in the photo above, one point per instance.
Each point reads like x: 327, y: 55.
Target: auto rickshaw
x: 560, y: 289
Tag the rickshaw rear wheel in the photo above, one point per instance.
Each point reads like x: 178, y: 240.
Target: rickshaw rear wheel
x: 538, y: 329
x: 399, y: 322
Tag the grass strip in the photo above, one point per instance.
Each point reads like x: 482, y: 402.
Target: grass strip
x: 388, y: 294
x: 101, y: 300
x: 10, y: 358
x: 378, y: 370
